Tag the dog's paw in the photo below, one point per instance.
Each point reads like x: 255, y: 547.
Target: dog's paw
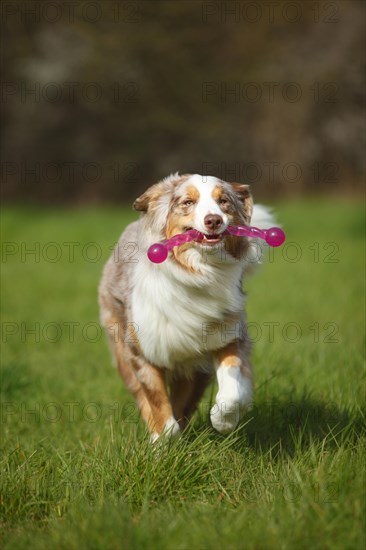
x: 225, y: 419
x: 228, y: 410
x: 171, y: 431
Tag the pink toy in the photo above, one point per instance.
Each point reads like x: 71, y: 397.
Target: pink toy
x: 158, y: 252
x: 274, y: 236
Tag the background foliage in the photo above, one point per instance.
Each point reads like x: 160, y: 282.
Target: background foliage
x: 103, y: 99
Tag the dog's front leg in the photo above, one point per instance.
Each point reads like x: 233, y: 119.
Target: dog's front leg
x: 161, y: 421
x: 234, y: 378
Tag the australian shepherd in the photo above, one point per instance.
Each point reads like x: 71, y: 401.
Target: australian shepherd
x: 172, y: 325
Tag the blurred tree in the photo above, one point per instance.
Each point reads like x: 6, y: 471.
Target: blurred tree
x: 101, y: 99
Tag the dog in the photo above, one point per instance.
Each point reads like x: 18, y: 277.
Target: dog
x: 172, y: 325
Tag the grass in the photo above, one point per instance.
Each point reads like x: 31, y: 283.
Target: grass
x: 77, y: 469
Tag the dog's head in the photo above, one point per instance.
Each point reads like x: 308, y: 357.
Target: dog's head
x: 205, y: 203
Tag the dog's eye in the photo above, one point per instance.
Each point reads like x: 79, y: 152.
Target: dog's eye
x: 223, y: 202
x: 188, y: 202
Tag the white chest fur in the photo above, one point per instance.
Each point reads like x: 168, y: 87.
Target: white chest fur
x: 181, y: 316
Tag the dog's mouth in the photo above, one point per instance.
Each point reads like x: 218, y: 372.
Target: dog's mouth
x: 208, y: 239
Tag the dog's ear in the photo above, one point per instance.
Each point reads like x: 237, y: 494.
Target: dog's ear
x: 141, y: 204
x: 245, y: 197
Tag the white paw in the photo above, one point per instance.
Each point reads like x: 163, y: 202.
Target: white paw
x: 231, y: 404
x: 171, y: 431
x: 171, y: 428
x: 224, y: 419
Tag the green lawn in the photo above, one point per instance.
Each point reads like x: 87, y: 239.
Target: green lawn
x: 77, y: 470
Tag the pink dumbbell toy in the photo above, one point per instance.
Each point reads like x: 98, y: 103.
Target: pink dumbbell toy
x: 158, y: 252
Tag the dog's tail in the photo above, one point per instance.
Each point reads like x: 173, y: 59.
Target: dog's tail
x: 263, y: 218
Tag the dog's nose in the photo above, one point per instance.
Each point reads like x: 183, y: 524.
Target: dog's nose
x: 213, y: 221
